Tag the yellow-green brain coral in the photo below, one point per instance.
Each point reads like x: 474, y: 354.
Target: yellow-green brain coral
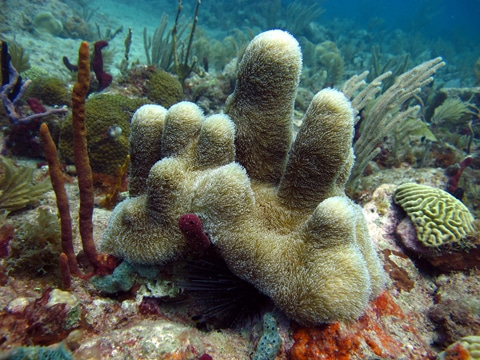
x: 438, y: 217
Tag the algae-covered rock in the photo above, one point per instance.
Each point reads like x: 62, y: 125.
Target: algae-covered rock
x: 108, y: 128
x: 45, y: 22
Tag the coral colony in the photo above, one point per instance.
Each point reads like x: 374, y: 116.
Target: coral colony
x: 284, y: 224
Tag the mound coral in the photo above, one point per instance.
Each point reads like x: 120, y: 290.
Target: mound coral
x: 45, y: 22
x: 50, y: 90
x: 108, y: 125
x: 164, y: 89
x: 278, y: 216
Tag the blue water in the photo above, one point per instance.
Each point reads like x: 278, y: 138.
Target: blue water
x: 446, y: 18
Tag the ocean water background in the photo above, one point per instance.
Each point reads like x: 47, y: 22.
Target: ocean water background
x: 430, y: 27
x: 447, y: 19
x: 435, y: 18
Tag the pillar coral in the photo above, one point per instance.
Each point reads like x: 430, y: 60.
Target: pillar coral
x: 273, y: 206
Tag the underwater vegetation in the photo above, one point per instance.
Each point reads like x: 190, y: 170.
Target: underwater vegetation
x: 17, y: 186
x: 36, y: 246
x: 166, y: 48
x: 381, y: 115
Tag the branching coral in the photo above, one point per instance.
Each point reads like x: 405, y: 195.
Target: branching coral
x: 279, y: 216
x: 17, y: 188
x: 386, y: 110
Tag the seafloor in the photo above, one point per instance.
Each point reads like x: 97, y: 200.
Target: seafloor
x: 425, y: 307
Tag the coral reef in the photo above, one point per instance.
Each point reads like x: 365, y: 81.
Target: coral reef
x: 122, y: 279
x: 220, y: 298
x: 439, y: 218
x: 102, y: 265
x: 36, y: 246
x: 456, y: 309
x: 108, y: 123
x: 386, y: 111
x: 56, y: 178
x: 60, y: 352
x: 324, y: 64
x: 45, y: 22
x: 104, y: 79
x: 45, y: 320
x: 75, y: 27
x: 446, y: 257
x: 279, y: 217
x: 19, y: 57
x: 12, y: 90
x: 467, y: 348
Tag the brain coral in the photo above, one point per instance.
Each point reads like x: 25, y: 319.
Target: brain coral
x: 278, y: 215
x: 108, y: 128
x: 438, y: 217
x: 49, y: 90
x: 468, y: 347
x: 164, y: 89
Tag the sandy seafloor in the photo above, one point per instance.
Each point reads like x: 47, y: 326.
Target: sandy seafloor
x: 46, y: 50
x: 421, y: 311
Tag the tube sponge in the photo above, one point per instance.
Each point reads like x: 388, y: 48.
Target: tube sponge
x: 275, y: 212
